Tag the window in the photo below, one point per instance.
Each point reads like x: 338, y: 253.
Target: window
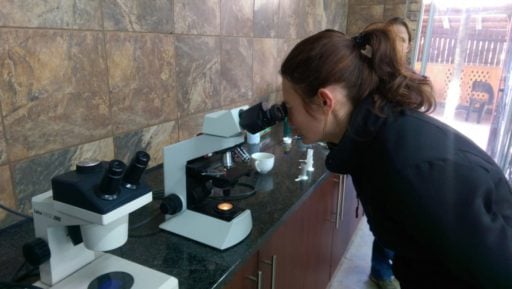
x: 465, y: 49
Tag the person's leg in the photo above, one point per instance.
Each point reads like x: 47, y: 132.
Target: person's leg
x: 381, y: 267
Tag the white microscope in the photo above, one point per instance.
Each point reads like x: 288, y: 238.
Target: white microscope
x: 87, y: 213
x: 218, y: 224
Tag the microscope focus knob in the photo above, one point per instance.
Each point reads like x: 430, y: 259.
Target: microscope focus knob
x: 171, y: 205
x: 36, y: 252
x: 88, y: 166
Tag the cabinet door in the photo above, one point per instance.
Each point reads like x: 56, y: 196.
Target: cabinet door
x: 281, y: 257
x: 346, y: 222
x: 247, y: 277
x: 306, y: 248
x: 318, y: 229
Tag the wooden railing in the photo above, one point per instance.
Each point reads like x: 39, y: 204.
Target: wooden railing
x: 484, y: 47
x: 441, y: 75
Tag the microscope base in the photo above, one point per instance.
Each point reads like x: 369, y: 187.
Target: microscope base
x: 119, y: 268
x: 208, y: 230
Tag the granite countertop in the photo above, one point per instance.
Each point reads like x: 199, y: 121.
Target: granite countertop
x: 197, y: 266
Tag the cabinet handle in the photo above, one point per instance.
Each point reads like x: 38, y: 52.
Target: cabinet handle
x: 273, y: 264
x: 340, y: 200
x: 258, y: 279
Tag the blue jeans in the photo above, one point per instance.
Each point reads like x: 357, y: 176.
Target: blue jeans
x: 381, y: 262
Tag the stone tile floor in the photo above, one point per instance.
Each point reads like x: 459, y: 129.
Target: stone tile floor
x: 355, y: 267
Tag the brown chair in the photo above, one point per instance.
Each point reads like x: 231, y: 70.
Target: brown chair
x: 480, y: 104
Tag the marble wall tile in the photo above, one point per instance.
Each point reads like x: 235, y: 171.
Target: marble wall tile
x: 397, y: 2
x: 236, y: 70
x: 56, y: 103
x: 366, y: 2
x: 414, y: 6
x: 301, y: 18
x: 7, y: 197
x: 102, y: 149
x: 291, y: 18
x: 70, y: 14
x: 3, y: 146
x: 142, y: 79
x: 33, y: 176
x: 274, y: 97
x: 190, y: 126
x: 197, y: 74
x: 284, y: 46
x: 266, y: 18
x: 139, y: 15
x: 336, y: 12
x: 236, y: 17
x: 396, y: 10
x: 361, y: 16
x: 197, y: 17
x: 413, y: 16
x: 315, y: 18
x: 151, y: 140
x: 266, y: 67
x: 54, y: 93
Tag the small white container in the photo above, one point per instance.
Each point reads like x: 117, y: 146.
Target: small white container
x: 263, y: 162
x: 253, y: 138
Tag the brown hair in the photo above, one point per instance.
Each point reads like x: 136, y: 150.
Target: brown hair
x: 329, y: 57
x: 399, y: 21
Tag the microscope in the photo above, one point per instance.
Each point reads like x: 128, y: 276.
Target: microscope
x: 84, y: 214
x: 218, y: 224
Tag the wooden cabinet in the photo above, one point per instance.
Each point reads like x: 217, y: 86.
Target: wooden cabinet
x: 304, y: 252
x: 247, y: 277
x: 318, y: 235
x: 281, y: 258
x: 346, y: 219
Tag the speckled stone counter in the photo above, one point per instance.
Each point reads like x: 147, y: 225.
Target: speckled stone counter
x: 195, y: 265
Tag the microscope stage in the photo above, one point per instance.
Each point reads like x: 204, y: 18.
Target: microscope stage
x: 109, y: 271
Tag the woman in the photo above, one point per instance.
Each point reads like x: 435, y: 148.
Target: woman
x: 402, y: 34
x: 381, y: 272
x: 430, y: 194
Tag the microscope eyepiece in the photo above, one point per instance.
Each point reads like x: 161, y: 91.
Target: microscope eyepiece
x: 134, y: 171
x: 110, y: 185
x: 259, y: 116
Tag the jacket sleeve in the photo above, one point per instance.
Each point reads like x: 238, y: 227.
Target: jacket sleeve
x: 464, y: 212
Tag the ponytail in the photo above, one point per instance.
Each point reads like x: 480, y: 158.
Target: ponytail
x: 367, y: 64
x: 398, y: 84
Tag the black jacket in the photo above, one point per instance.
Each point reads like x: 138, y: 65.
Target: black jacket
x: 429, y: 192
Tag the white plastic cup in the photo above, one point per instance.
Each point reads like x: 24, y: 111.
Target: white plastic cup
x: 263, y: 162
x: 253, y: 138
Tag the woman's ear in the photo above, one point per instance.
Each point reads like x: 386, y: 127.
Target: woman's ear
x: 326, y: 99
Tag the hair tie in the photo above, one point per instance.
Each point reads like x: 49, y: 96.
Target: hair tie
x: 361, y: 40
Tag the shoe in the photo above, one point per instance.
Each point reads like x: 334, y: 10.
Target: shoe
x: 386, y: 284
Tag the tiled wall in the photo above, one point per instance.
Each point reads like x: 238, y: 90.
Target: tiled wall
x: 105, y: 78
x: 364, y: 12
